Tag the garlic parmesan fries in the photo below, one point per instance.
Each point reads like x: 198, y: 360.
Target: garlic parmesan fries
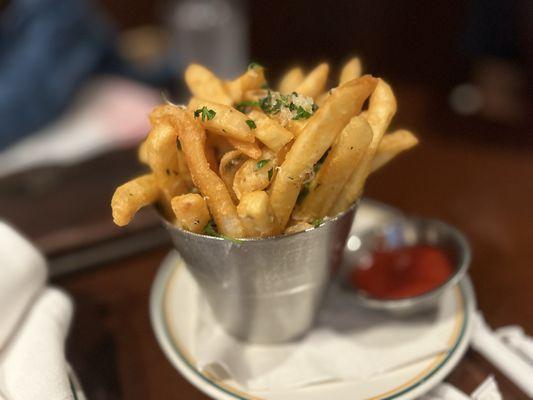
x: 242, y: 159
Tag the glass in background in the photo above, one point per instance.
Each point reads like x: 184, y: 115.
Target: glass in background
x: 213, y: 33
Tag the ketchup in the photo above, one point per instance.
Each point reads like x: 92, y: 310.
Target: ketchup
x: 404, y: 272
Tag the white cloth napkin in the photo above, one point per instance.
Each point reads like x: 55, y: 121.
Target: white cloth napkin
x: 516, y: 339
x: 348, y: 343
x: 511, y: 359
x: 22, y: 277
x: 34, y: 322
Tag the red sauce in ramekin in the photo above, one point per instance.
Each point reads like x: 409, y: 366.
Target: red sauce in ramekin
x: 404, y: 272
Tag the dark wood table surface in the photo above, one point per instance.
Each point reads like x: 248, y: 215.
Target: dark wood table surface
x: 471, y: 174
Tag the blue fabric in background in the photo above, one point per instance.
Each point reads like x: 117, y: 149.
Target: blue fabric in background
x: 47, y: 49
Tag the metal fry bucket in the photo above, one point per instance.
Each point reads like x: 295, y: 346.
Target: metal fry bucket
x: 265, y: 290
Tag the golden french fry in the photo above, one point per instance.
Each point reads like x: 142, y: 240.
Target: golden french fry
x: 226, y: 120
x: 253, y: 176
x: 280, y: 155
x: 318, y: 135
x: 163, y: 159
x: 291, y: 80
x: 344, y: 157
x: 351, y: 70
x: 298, y: 227
x: 183, y: 168
x: 210, y: 155
x: 192, y: 138
x: 252, y: 150
x: 252, y: 79
x: 132, y: 196
x: 296, y: 126
x: 254, y: 95
x: 141, y: 153
x: 391, y: 145
x: 381, y: 109
x: 229, y: 165
x: 191, y: 212
x: 256, y: 214
x: 269, y: 131
x: 321, y: 99
x: 315, y: 82
x: 204, y: 85
x: 220, y: 144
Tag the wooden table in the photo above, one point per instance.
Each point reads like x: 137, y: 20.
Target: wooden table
x: 459, y: 174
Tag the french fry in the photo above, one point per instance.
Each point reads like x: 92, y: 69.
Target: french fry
x: 391, y: 145
x: 317, y: 136
x: 229, y: 165
x: 291, y: 80
x: 253, y: 176
x: 226, y: 121
x: 298, y: 227
x: 344, y: 157
x: 351, y: 70
x: 220, y: 144
x: 314, y: 83
x: 252, y: 150
x: 191, y: 212
x: 192, y: 138
x: 163, y: 159
x: 204, y: 85
x: 183, y: 168
x: 210, y: 155
x: 252, y: 79
x: 381, y: 109
x: 256, y: 214
x: 269, y: 131
x: 141, y: 153
x: 254, y: 95
x: 321, y: 98
x: 132, y: 196
x: 296, y: 126
x: 280, y: 155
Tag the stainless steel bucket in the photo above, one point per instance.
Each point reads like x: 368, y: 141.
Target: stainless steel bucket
x: 265, y: 290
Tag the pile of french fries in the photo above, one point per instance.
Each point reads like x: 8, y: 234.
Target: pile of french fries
x: 243, y: 160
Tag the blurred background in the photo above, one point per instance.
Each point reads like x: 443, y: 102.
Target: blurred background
x: 79, y: 77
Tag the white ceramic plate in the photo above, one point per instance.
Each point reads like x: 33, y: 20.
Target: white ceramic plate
x: 173, y: 311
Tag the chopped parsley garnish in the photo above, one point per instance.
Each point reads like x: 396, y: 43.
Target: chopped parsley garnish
x: 296, y: 106
x: 300, y: 107
x: 210, y: 230
x: 243, y: 106
x: 261, y: 163
x: 264, y: 86
x: 317, y: 222
x: 301, y: 113
x: 251, y: 123
x: 270, y: 172
x: 254, y: 65
x: 205, y: 112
